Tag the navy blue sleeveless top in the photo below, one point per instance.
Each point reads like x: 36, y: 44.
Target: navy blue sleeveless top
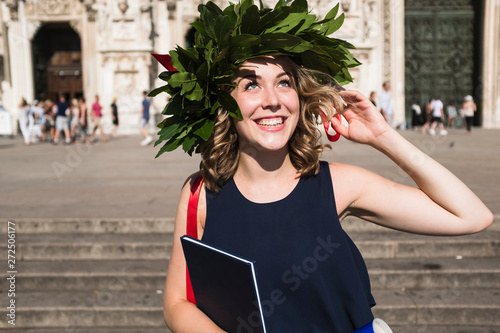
x: 312, y: 277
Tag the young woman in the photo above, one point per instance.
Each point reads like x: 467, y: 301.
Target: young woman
x: 267, y: 196
x: 266, y: 193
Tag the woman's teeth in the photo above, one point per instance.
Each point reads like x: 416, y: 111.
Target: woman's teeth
x: 271, y: 122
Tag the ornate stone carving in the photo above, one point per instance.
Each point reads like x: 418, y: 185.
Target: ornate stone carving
x: 346, y: 5
x: 48, y: 7
x: 13, y: 7
x: 439, y: 4
x: 387, y: 39
x: 91, y: 10
x: 171, y: 7
x: 369, y: 20
x: 123, y: 6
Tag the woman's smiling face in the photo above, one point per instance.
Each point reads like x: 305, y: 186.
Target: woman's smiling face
x: 269, y: 103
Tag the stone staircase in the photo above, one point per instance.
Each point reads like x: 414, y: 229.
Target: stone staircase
x: 106, y: 276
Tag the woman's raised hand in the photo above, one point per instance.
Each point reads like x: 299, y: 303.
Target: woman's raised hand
x: 365, y: 123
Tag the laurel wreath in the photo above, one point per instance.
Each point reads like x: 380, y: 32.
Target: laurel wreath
x: 198, y: 78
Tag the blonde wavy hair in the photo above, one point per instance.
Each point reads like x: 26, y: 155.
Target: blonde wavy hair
x: 317, y: 91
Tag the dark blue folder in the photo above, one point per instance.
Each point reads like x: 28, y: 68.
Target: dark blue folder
x: 225, y: 287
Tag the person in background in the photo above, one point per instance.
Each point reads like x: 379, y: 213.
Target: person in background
x: 437, y: 117
x: 38, y: 111
x: 373, y: 96
x: 469, y: 109
x: 114, y: 118
x: 62, y: 110
x: 385, y: 99
x: 83, y: 123
x: 451, y: 112
x: 49, y: 125
x: 25, y: 121
x: 144, y: 120
x: 97, y: 119
x: 75, y: 119
x: 416, y: 115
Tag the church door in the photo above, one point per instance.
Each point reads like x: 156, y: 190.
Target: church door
x: 442, y: 52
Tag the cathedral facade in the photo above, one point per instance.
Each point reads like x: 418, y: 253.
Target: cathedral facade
x: 103, y: 47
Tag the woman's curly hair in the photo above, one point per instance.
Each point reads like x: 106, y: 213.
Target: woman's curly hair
x: 317, y: 91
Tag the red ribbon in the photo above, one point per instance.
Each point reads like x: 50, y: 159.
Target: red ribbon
x: 326, y: 125
x: 165, y: 61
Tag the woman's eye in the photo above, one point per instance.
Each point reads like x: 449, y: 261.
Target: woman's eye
x: 285, y: 83
x: 251, y: 85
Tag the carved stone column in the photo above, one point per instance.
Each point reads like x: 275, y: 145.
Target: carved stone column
x: 491, y: 65
x: 394, y: 55
x: 19, y: 39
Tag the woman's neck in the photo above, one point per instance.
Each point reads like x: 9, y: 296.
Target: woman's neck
x: 265, y: 176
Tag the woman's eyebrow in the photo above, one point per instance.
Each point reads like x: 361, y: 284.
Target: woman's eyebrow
x: 253, y: 76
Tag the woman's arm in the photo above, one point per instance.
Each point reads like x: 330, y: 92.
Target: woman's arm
x: 181, y: 315
x: 441, y: 205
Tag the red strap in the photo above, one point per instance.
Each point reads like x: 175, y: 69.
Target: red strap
x: 192, y: 227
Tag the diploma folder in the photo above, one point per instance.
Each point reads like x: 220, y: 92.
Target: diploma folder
x: 225, y: 287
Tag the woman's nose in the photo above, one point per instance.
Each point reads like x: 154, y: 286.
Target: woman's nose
x: 270, y: 99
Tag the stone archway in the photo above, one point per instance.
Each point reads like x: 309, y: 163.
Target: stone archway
x: 57, y: 64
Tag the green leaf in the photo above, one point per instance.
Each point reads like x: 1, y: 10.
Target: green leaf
x: 273, y: 18
x: 188, y: 144
x: 174, y: 106
x: 202, y: 72
x: 229, y: 104
x: 280, y: 40
x: 250, y: 21
x: 333, y: 12
x: 204, y: 130
x: 174, y: 59
x: 165, y: 76
x: 195, y: 94
x: 245, y: 40
x: 299, y: 6
x: 188, y: 58
x: 180, y: 78
x: 157, y: 91
x: 168, y: 132
x: 333, y: 25
x: 222, y: 28
x: 170, y: 145
x: 198, y: 25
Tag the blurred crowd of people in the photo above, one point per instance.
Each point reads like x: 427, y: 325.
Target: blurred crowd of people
x: 65, y: 121
x: 435, y: 116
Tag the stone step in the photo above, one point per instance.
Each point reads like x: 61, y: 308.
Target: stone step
x: 403, y: 308
x: 79, y: 246
x: 149, y: 275
x: 91, y: 225
x: 395, y: 329
x: 95, y: 330
x: 353, y: 224
x: 98, y: 330
x: 434, y: 273
x: 403, y: 245
x: 438, y: 307
x: 103, y: 275
x: 147, y: 225
x: 130, y: 246
x: 74, y: 309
